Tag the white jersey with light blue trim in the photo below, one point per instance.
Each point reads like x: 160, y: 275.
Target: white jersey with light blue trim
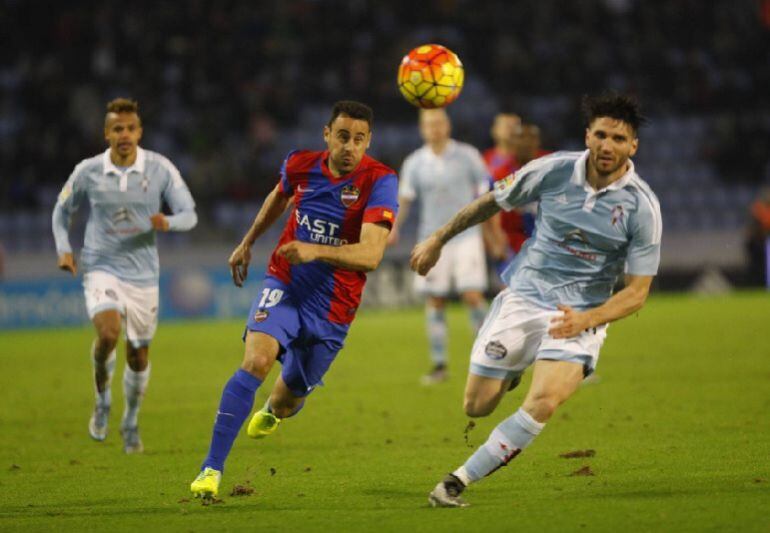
x: 443, y: 184
x: 119, y: 235
x: 584, y: 239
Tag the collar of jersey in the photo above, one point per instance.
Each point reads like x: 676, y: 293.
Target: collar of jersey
x: 326, y: 171
x: 448, y: 149
x: 579, y: 176
x: 138, y: 166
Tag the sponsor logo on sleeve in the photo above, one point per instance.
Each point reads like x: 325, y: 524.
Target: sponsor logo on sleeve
x: 506, y: 182
x: 261, y: 316
x: 65, y: 193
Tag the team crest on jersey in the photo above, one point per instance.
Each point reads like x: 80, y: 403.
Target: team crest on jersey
x: 121, y: 215
x: 349, y: 195
x: 495, y: 350
x: 261, y: 316
x: 617, y: 214
x: 576, y: 235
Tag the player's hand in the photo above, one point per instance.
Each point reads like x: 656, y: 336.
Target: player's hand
x: 159, y: 222
x: 570, y: 324
x: 67, y: 262
x: 239, y: 263
x: 425, y: 255
x: 297, y: 252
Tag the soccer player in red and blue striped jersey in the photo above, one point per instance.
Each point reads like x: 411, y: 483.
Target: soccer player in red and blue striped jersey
x: 344, y: 205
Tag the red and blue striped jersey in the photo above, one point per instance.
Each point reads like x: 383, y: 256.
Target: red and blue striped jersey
x: 330, y: 211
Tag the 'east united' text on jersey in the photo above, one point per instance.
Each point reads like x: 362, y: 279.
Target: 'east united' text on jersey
x: 583, y: 239
x: 330, y: 211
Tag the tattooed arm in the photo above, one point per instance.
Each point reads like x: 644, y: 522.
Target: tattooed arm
x: 426, y: 254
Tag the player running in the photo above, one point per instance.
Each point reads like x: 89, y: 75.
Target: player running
x: 344, y: 203
x: 124, y: 187
x: 596, y: 217
x: 443, y: 176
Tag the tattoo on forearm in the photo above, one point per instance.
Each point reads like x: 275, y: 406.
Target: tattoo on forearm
x: 474, y: 213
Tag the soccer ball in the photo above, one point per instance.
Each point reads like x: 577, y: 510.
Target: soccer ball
x: 430, y: 76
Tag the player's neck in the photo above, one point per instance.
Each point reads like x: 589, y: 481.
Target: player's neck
x: 121, y: 161
x: 600, y: 181
x: 334, y: 170
x: 439, y: 147
x: 504, y: 150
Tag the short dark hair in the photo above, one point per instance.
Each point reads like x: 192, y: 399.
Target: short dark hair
x: 122, y: 105
x: 352, y: 109
x: 612, y: 104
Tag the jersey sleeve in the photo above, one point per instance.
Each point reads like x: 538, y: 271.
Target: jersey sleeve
x: 179, y: 199
x: 646, y: 229
x: 407, y: 186
x: 285, y: 184
x: 67, y: 203
x: 524, y: 186
x: 382, y: 206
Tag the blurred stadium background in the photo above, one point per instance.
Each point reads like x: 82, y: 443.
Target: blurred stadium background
x: 227, y: 88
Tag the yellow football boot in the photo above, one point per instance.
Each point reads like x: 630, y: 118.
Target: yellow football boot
x: 262, y: 424
x: 206, y: 485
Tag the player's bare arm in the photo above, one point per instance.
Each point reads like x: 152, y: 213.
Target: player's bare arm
x: 625, y: 302
x: 275, y: 204
x: 494, y: 237
x: 426, y: 254
x: 67, y: 262
x: 363, y: 256
x: 404, y: 204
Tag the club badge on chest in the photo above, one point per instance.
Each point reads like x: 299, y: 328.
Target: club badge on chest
x: 349, y: 195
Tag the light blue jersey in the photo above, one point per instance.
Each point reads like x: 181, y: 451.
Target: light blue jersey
x: 443, y: 184
x: 583, y: 239
x: 119, y: 236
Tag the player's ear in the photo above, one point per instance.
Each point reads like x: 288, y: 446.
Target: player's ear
x: 588, y: 134
x: 327, y: 134
x: 634, y: 146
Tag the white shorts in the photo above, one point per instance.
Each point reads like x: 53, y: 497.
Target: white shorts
x: 462, y: 265
x: 137, y: 305
x: 515, y: 334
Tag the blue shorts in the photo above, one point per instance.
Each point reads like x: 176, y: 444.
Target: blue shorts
x: 309, y: 341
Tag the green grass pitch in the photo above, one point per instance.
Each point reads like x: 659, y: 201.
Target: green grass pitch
x: 680, y: 422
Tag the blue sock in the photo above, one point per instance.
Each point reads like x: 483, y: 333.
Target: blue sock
x: 235, y: 406
x: 477, y: 315
x: 505, y: 442
x: 437, y: 335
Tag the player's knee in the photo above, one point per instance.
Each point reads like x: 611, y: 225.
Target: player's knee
x: 137, y: 358
x: 108, y: 338
x: 541, y: 406
x: 473, y: 298
x: 475, y: 407
x: 257, y: 364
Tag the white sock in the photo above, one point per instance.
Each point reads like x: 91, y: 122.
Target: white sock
x: 134, y: 387
x: 103, y: 398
